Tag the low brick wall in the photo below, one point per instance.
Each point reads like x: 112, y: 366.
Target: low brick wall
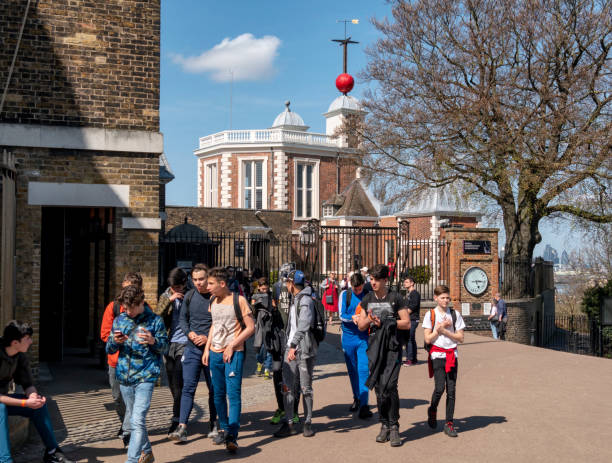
x: 215, y: 219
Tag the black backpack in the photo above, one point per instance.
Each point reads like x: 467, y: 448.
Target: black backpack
x: 432, y: 316
x: 237, y: 309
x: 319, y: 330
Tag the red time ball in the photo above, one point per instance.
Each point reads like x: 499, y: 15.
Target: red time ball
x: 345, y: 83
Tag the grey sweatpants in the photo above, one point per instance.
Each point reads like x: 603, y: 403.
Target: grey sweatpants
x: 297, y: 375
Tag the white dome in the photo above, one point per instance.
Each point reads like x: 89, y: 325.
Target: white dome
x: 289, y: 120
x: 345, y: 102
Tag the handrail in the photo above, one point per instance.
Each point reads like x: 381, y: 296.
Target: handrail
x: 268, y: 135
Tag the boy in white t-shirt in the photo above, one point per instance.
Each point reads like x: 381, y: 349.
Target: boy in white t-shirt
x: 443, y: 335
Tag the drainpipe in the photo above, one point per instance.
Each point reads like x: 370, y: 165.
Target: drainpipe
x: 10, y: 74
x: 271, y: 195
x: 338, y: 173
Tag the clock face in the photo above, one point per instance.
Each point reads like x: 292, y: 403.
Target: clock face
x: 475, y: 281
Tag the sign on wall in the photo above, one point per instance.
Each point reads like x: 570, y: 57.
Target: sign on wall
x: 238, y: 248
x: 476, y: 247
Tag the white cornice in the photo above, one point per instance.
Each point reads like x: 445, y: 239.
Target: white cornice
x: 81, y: 138
x: 288, y: 148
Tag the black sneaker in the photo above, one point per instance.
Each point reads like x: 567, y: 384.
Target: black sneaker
x: 449, y: 429
x: 285, y: 430
x: 180, y: 434
x: 355, y: 406
x: 231, y: 445
x: 126, y: 439
x: 365, y: 413
x: 56, y: 457
x: 219, y: 438
x: 394, y: 437
x: 431, y: 418
x: 307, y: 431
x: 172, y: 427
x: 383, y: 435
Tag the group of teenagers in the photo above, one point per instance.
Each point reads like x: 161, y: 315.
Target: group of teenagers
x: 200, y: 327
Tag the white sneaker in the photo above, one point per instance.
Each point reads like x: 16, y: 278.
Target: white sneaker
x: 214, y: 431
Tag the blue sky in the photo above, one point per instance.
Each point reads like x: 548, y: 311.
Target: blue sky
x: 290, y: 55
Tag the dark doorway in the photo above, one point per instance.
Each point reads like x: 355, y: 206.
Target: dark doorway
x: 75, y: 248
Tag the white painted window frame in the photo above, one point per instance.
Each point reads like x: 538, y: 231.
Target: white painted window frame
x: 315, y: 188
x: 207, y: 184
x: 264, y: 173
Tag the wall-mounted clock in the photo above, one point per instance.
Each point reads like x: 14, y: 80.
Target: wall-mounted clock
x: 475, y: 280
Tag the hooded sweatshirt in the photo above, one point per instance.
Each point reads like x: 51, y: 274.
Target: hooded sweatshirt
x: 138, y: 363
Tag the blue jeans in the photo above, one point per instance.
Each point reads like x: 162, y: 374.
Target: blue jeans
x: 137, y: 400
x: 227, y: 384
x: 264, y: 357
x: 494, y: 329
x: 192, y: 369
x: 356, y: 360
x: 40, y: 418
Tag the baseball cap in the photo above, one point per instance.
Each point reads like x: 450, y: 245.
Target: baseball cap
x: 297, y: 276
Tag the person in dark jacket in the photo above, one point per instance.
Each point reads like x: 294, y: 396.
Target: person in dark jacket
x: 14, y: 366
x: 413, y: 303
x: 141, y: 339
x: 195, y: 321
x: 383, y: 312
x: 169, y: 307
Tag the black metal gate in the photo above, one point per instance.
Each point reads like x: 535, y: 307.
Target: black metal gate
x: 316, y: 250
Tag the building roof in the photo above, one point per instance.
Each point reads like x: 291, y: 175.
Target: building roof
x: 186, y: 232
x: 335, y: 200
x: 439, y: 202
x: 345, y: 102
x: 165, y: 172
x: 289, y: 120
x: 358, y: 202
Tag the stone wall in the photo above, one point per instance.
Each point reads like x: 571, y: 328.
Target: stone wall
x: 216, y: 219
x: 84, y: 68
x: 82, y: 63
x: 132, y: 250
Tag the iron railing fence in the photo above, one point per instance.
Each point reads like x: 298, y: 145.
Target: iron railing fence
x: 318, y: 251
x: 519, y: 278
x: 577, y: 334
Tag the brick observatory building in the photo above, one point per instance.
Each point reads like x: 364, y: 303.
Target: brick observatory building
x: 80, y: 119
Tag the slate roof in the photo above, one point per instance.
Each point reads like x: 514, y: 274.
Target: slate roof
x: 357, y: 202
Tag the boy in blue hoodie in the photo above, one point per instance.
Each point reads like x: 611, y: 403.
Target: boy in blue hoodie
x: 355, y: 345
x: 141, y: 339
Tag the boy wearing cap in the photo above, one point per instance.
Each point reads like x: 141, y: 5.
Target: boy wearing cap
x: 300, y: 354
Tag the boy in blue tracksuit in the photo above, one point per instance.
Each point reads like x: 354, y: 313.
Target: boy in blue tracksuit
x: 355, y: 345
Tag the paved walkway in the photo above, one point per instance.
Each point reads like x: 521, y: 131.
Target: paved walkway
x: 514, y: 403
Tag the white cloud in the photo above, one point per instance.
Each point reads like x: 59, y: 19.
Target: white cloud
x: 249, y: 58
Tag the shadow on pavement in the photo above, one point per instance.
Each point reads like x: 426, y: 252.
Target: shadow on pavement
x: 420, y: 429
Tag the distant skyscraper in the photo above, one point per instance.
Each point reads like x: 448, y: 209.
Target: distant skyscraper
x: 551, y: 254
x: 564, y: 258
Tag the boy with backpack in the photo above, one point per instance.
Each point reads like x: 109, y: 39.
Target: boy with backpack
x: 111, y: 312
x: 355, y: 345
x: 195, y: 321
x: 305, y: 329
x: 443, y: 329
x: 232, y: 325
x: 169, y: 307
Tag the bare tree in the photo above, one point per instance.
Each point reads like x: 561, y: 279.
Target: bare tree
x: 507, y: 99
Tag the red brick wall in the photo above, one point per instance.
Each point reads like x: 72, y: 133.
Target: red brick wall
x: 460, y: 262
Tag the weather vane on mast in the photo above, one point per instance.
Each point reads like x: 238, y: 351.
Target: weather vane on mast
x: 345, y: 82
